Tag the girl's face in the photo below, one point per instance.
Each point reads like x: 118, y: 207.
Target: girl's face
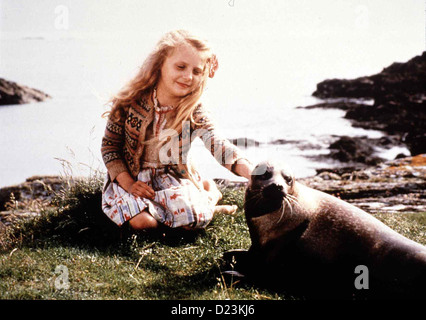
x: 181, y: 72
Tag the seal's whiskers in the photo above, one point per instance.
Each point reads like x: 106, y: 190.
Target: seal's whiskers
x: 289, y: 205
x: 282, y: 212
x: 293, y: 199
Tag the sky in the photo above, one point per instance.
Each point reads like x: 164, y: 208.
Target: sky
x: 260, y: 34
x: 403, y: 20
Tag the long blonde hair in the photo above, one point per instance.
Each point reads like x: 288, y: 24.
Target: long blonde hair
x: 143, y: 84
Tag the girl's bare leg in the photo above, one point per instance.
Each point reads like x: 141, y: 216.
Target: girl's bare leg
x: 143, y: 221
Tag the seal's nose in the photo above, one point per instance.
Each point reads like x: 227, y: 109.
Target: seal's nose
x: 273, y: 191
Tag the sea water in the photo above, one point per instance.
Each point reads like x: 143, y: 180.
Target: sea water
x: 81, y: 74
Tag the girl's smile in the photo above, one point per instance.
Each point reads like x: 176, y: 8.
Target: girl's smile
x: 184, y: 86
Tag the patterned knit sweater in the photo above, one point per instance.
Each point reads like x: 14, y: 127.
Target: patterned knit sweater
x: 122, y: 148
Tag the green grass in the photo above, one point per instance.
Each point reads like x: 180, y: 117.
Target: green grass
x: 106, y: 263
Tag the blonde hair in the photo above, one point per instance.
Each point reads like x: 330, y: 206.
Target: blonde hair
x: 143, y: 84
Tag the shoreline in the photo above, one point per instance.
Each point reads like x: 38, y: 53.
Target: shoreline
x: 398, y: 109
x: 392, y: 101
x: 394, y: 186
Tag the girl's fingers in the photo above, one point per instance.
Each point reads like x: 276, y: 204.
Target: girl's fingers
x: 149, y: 195
x: 143, y: 190
x: 144, y: 186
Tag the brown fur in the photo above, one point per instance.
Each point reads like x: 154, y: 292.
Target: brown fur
x: 315, y: 241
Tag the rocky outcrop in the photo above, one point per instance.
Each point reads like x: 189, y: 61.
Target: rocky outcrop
x: 36, y: 187
x: 13, y: 93
x: 359, y: 149
x: 393, y: 186
x: 399, y: 94
x: 408, y: 78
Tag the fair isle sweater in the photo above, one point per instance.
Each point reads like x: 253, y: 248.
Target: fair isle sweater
x: 122, y: 149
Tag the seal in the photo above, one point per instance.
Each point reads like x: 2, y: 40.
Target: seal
x: 311, y: 243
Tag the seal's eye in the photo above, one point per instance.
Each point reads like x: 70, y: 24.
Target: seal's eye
x: 287, y: 178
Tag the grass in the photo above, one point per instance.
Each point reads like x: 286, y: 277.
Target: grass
x: 72, y: 251
x: 104, y: 262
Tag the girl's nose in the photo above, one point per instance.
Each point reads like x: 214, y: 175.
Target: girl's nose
x: 187, y: 75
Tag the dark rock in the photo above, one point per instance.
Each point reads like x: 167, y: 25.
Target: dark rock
x: 416, y: 142
x: 335, y: 88
x: 342, y: 105
x: 36, y: 187
x: 408, y: 77
x: 245, y: 142
x: 282, y: 141
x: 358, y: 149
x: 13, y: 93
x: 339, y: 171
x: 400, y: 156
x: 393, y: 186
x: 399, y: 94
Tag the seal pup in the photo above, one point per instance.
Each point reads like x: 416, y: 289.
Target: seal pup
x: 309, y: 242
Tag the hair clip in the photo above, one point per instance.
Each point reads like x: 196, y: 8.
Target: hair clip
x: 214, y: 65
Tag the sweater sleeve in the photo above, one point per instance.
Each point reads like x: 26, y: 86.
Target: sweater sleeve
x: 112, y: 148
x: 226, y: 153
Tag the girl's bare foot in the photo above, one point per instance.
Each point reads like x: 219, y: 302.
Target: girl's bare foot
x: 225, y: 209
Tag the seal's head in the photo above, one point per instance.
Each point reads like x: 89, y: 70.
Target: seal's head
x: 270, y: 189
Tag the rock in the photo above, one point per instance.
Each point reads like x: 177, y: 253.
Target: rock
x: 244, y: 142
x: 354, y: 149
x: 36, y: 187
x: 408, y: 78
x: 341, y: 105
x: 329, y: 176
x: 283, y: 141
x: 334, y: 88
x: 13, y: 93
x: 399, y: 94
x: 393, y: 186
x: 416, y: 142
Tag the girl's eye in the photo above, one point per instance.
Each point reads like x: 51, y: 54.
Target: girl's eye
x: 181, y: 67
x: 197, y: 73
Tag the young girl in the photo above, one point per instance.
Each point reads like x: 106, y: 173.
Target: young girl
x: 150, y: 128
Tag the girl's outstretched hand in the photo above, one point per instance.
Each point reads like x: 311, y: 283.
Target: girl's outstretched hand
x: 142, y: 190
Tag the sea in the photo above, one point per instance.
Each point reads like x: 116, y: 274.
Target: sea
x: 257, y: 93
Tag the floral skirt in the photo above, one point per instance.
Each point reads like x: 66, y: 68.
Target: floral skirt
x: 177, y: 203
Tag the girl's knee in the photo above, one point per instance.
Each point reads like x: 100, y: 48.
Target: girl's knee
x: 143, y: 221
